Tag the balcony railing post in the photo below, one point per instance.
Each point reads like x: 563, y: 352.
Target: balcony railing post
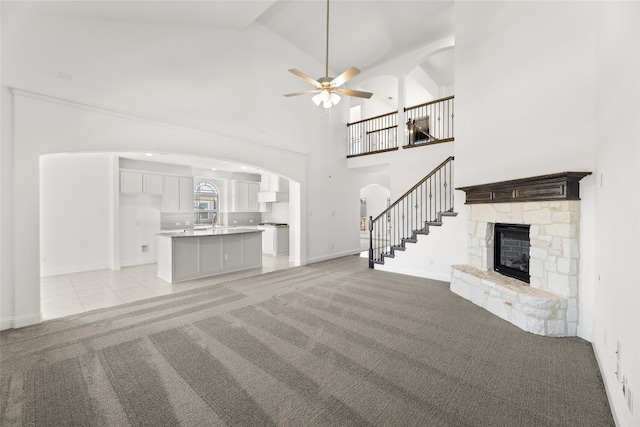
x: 370, y: 242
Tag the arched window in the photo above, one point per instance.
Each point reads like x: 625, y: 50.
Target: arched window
x: 206, y: 187
x: 205, y: 203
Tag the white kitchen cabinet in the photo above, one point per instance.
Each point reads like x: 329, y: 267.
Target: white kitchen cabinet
x: 152, y: 183
x: 281, y: 238
x: 267, y: 239
x: 130, y: 182
x: 139, y: 182
x: 270, y: 182
x: 252, y: 197
x: 272, y: 196
x: 245, y: 196
x: 186, y: 194
x: 273, y: 188
x: 275, y: 240
x: 178, y: 194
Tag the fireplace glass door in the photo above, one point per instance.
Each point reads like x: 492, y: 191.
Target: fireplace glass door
x: 511, y: 250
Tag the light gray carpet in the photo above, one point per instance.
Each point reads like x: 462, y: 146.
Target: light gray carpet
x: 332, y: 343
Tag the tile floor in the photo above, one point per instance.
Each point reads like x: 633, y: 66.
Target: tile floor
x: 74, y: 293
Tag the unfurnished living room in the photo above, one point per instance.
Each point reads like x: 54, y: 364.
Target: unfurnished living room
x: 322, y: 212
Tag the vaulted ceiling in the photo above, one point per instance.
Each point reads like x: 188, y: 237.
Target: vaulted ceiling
x: 363, y: 33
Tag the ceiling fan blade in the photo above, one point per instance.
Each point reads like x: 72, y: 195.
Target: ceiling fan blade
x: 304, y: 92
x: 305, y: 77
x: 351, y: 92
x: 344, y: 77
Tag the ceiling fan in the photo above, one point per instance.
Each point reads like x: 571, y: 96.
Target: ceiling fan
x: 327, y: 88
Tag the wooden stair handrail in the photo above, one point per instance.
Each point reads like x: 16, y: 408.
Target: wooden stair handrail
x: 436, y: 169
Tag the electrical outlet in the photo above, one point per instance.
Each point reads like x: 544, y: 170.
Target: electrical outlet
x: 618, y: 360
x: 145, y: 248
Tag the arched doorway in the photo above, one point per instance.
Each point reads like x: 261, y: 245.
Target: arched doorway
x: 374, y: 199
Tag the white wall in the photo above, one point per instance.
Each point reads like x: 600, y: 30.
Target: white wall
x: 535, y: 95
x: 139, y: 224
x: 76, y: 213
x: 617, y: 251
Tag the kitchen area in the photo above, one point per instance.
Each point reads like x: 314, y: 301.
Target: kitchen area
x: 207, y: 239
x: 101, y: 215
x: 191, y: 206
x: 104, y: 210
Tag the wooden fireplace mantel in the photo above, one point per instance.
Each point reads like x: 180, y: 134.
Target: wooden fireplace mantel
x: 557, y: 186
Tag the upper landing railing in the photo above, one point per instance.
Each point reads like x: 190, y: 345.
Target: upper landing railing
x: 428, y: 123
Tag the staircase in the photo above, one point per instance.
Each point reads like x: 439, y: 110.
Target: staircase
x: 422, y: 207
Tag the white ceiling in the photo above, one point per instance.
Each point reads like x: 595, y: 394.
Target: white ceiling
x: 196, y: 162
x: 363, y: 33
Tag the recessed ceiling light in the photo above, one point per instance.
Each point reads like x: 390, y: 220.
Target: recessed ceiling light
x: 214, y: 169
x: 148, y: 154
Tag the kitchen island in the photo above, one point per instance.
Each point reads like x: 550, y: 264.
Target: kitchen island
x: 192, y: 254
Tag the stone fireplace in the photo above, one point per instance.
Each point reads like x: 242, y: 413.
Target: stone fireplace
x: 550, y: 207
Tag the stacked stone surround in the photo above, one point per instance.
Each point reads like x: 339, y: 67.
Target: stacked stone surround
x: 549, y: 306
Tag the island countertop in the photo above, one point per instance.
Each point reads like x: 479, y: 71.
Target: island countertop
x: 225, y: 231
x: 195, y: 253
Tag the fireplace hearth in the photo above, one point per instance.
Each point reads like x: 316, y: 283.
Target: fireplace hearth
x: 511, y: 250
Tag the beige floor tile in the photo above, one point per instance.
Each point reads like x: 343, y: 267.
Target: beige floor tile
x: 91, y: 295
x: 67, y: 294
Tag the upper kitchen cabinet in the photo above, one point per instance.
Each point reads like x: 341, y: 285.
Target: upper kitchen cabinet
x: 245, y: 196
x: 139, y: 182
x: 270, y: 182
x: 273, y: 188
x: 178, y: 194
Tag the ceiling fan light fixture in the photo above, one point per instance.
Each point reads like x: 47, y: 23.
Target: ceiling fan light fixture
x: 325, y: 95
x: 326, y: 86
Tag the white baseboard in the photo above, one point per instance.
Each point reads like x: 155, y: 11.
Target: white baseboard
x: 332, y: 256
x: 46, y: 272
x: 611, y: 386
x: 20, y: 321
x: 138, y: 261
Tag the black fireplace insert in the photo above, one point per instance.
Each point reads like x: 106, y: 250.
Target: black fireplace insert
x: 511, y: 250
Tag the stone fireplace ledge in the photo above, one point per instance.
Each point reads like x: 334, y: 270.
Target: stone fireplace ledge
x: 531, y: 309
